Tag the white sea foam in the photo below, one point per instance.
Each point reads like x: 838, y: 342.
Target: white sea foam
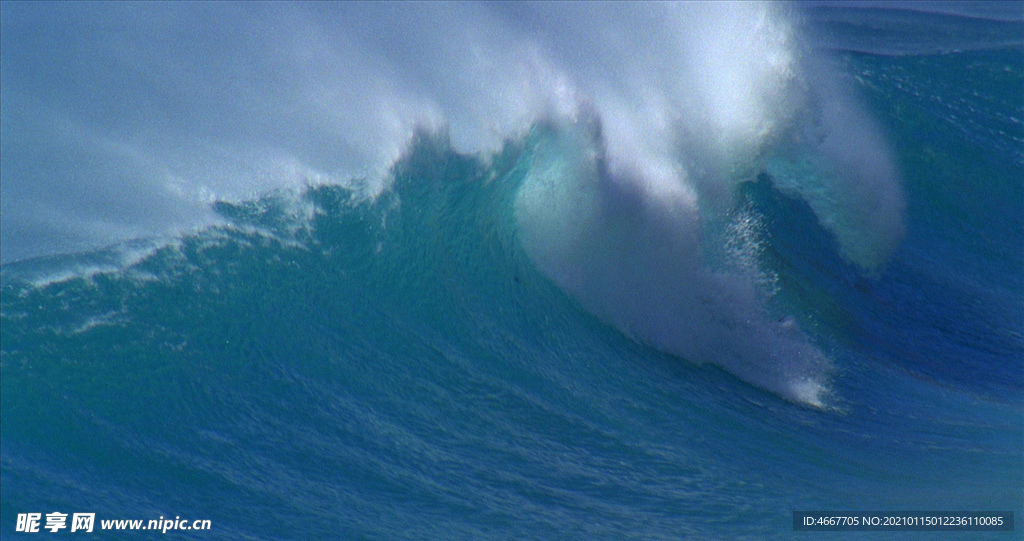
x: 635, y: 261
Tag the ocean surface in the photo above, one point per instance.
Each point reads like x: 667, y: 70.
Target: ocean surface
x: 705, y: 265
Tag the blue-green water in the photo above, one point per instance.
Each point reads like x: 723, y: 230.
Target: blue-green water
x: 438, y: 362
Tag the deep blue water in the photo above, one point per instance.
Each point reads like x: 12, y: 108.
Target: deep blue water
x: 430, y: 364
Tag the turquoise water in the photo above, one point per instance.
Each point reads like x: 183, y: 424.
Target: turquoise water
x: 490, y: 348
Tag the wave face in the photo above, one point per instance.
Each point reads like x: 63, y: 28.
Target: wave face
x: 576, y: 271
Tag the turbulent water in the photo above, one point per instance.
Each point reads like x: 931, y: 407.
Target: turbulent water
x: 776, y: 265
